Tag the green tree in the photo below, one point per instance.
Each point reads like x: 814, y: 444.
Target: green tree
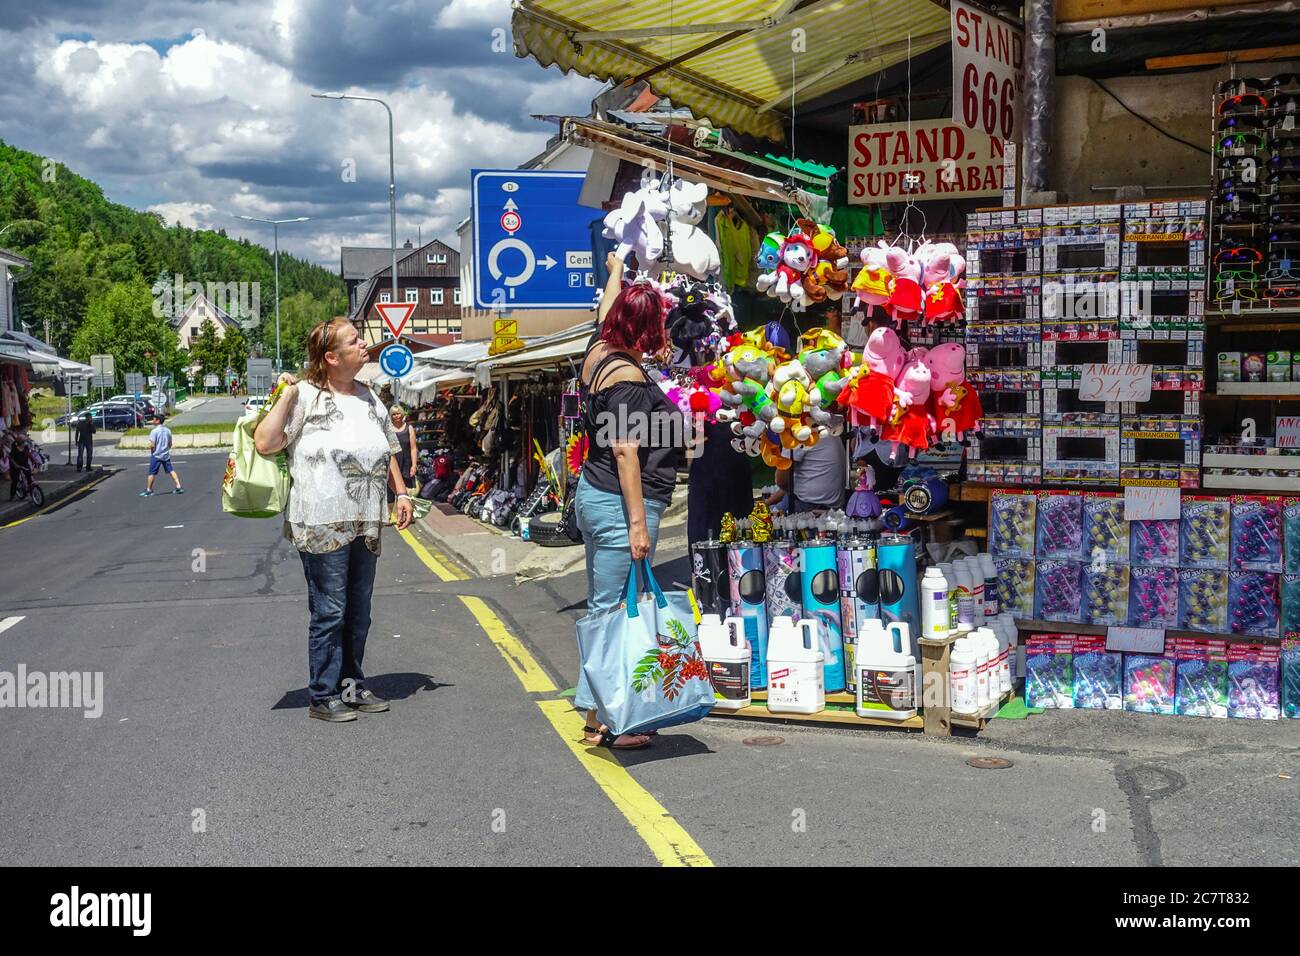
x: 234, y: 350
x: 207, y: 351
x: 120, y: 322
x: 299, y: 313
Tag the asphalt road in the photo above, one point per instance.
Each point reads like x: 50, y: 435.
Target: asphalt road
x: 216, y: 409
x: 204, y: 660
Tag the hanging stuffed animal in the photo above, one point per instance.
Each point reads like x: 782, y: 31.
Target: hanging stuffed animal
x: 690, y: 321
x: 786, y: 282
x: 790, y: 384
x: 769, y: 253
x: 910, y: 422
x: 635, y: 225
x: 954, y: 402
x: 694, y: 253
x: 827, y: 277
x: 944, y: 270
x: 749, y: 406
x: 870, y: 392
x: 905, y: 296
x: 874, y: 282
x: 824, y: 355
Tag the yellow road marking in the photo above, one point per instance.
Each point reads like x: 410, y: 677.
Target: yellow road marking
x: 444, y: 572
x: 524, y: 665
x: 62, y: 501
x: 667, y: 840
x: 671, y: 845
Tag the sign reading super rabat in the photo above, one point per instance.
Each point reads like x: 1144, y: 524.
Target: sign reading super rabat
x: 532, y: 241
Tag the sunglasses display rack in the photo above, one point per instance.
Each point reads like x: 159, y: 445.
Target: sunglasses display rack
x: 1256, y: 189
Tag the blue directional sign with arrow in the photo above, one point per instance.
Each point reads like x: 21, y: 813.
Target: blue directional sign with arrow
x: 532, y: 241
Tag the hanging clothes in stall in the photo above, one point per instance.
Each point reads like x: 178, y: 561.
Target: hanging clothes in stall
x: 738, y: 246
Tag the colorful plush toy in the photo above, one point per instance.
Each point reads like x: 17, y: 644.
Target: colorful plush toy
x: 825, y: 355
x: 635, y: 225
x: 870, y: 392
x: 874, y: 282
x: 910, y: 422
x: 954, y: 403
x: 905, y: 296
x: 790, y: 383
x: 749, y: 406
x: 786, y: 281
x: 694, y: 253
x: 941, y: 280
x: 864, y: 503
x: 769, y: 253
x: 691, y: 320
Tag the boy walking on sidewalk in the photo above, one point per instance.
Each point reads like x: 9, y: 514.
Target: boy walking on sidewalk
x: 160, y: 456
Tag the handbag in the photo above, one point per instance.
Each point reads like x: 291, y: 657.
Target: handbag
x: 255, y: 485
x: 641, y: 661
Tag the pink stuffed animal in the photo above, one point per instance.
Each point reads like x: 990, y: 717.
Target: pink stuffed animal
x: 910, y: 422
x: 870, y: 393
x: 944, y: 269
x: 874, y: 282
x: 905, y: 299
x: 954, y: 404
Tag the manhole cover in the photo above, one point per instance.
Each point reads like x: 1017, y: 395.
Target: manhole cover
x: 763, y: 741
x: 989, y: 763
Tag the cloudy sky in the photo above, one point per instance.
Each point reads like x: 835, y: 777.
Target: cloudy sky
x: 202, y: 110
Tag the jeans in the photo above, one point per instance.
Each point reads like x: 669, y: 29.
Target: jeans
x: 339, y: 586
x: 89, y: 451
x: 602, y: 518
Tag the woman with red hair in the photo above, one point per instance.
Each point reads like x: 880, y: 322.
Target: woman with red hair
x: 634, y: 436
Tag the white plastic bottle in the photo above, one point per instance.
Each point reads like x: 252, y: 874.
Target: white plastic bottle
x: 977, y: 587
x: 990, y: 584
x: 965, y: 597
x: 1017, y: 651
x: 886, y: 678
x: 1006, y: 671
x: 950, y: 575
x: 983, y: 667
x: 962, y: 664
x: 796, y: 676
x: 934, y: 604
x: 726, y: 655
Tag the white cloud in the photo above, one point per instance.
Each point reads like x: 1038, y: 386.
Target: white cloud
x: 193, y: 215
x: 474, y: 13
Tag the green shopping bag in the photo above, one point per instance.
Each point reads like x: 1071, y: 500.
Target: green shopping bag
x: 255, y: 485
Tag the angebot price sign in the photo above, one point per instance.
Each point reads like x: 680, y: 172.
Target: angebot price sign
x: 1099, y: 382
x: 988, y: 73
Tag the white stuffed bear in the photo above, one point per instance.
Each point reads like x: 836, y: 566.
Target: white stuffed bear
x: 693, y: 251
x: 635, y: 224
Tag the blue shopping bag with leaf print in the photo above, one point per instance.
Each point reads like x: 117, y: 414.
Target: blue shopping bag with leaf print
x: 642, y: 662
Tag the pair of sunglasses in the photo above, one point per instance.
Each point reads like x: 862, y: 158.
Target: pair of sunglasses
x: 1237, y: 217
x: 1241, y: 83
x: 1238, y: 197
x: 1278, y: 161
x: 1284, y: 80
x: 1281, y: 275
x: 1284, y: 292
x: 1231, y: 254
x: 1237, y: 273
x: 1287, y: 177
x: 1240, y: 141
x: 1283, y: 237
x: 1243, y: 103
x: 1238, y: 121
x: 1284, y: 102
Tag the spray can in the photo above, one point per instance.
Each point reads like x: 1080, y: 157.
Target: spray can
x: 820, y: 587
x: 749, y: 602
x: 710, y: 579
x: 859, y: 599
x: 899, y: 596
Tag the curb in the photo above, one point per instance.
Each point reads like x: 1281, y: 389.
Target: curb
x: 54, y: 497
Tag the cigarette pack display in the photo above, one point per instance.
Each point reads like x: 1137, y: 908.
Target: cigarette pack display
x: 1252, y: 681
x: 1289, y: 678
x: 1057, y: 593
x: 1011, y: 523
x: 1290, y: 616
x: 1105, y: 533
x: 1105, y: 593
x: 1060, y: 525
x: 1291, y: 535
x: 1098, y: 675
x: 1154, y: 543
x: 1203, y: 600
x: 1016, y: 586
x: 1049, y: 671
x: 1254, y: 605
x: 1206, y: 527
x: 1202, y: 687
x: 1153, y: 597
x: 1256, y: 533
x: 1149, y: 682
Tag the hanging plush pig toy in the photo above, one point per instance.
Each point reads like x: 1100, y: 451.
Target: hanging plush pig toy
x: 944, y: 269
x: 905, y: 297
x: 954, y: 402
x: 874, y: 282
x: 910, y: 422
x: 870, y: 393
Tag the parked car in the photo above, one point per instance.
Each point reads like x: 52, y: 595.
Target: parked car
x: 255, y: 404
x: 145, y: 403
x: 116, y: 416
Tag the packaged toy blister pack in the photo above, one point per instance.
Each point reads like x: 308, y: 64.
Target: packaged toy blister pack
x: 1202, y: 686
x: 1016, y: 586
x: 1256, y: 533
x: 1154, y: 544
x: 1049, y: 674
x: 1291, y: 535
x: 1289, y: 625
x: 1289, y: 678
x: 1060, y: 525
x: 1149, y: 682
x: 1253, y: 603
x: 1057, y: 592
x: 1206, y: 529
x: 1105, y: 594
x: 1098, y: 675
x: 1012, y: 523
x: 1153, y: 597
x: 1252, y: 681
x: 1105, y: 533
x: 1203, y: 600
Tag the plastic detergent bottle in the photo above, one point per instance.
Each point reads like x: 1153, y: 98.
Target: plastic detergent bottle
x: 1017, y: 652
x: 990, y: 572
x: 962, y: 664
x: 726, y: 657
x: 950, y: 575
x: 886, y: 678
x: 796, y: 679
x: 1006, y: 648
x: 965, y: 597
x: 977, y: 587
x: 934, y: 604
x: 983, y: 666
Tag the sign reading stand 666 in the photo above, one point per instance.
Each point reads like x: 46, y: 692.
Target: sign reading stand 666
x: 988, y: 73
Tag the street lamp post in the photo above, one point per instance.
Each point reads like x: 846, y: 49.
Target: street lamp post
x: 392, y: 177
x: 275, y: 225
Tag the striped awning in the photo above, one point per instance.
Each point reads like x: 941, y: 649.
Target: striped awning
x: 733, y: 62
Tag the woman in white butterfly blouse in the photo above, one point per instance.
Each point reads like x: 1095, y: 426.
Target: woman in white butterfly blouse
x: 341, y: 448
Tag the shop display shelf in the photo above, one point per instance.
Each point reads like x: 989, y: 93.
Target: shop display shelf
x: 1066, y: 627
x: 980, y: 720
x: 1274, y: 391
x: 839, y: 710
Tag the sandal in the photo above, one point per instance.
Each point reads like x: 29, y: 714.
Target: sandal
x: 592, y: 731
x: 623, y: 741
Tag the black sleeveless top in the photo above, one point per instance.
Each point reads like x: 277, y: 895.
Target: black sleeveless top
x: 631, y: 411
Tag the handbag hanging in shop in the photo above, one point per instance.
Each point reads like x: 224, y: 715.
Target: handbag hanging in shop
x: 642, y: 662
x: 255, y: 485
